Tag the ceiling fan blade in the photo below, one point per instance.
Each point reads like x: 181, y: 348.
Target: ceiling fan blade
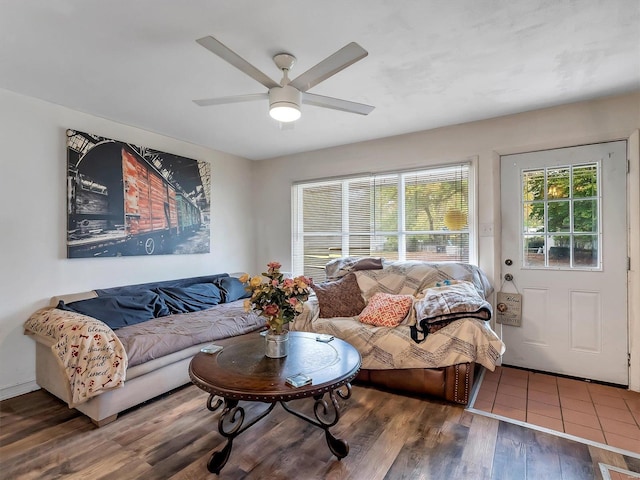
x: 234, y: 99
x: 331, y: 65
x: 236, y: 60
x: 336, y: 104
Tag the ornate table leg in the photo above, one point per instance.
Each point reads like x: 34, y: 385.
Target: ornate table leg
x: 326, y: 418
x: 232, y: 416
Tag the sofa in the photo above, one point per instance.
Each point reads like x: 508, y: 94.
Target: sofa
x: 105, y: 351
x: 420, y: 327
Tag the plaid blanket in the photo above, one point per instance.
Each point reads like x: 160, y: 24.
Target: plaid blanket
x: 445, y: 303
x: 460, y: 339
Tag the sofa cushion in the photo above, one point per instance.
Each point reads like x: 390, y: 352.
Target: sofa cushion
x: 190, y: 299
x: 118, y: 311
x: 340, y: 298
x: 386, y: 310
x: 232, y: 289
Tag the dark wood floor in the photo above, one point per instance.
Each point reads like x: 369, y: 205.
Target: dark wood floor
x: 391, y: 436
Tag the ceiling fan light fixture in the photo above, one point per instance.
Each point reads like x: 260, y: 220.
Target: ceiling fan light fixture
x: 285, y: 114
x: 284, y: 104
x: 286, y: 96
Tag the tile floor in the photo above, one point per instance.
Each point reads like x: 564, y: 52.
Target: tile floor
x: 609, y: 472
x: 596, y: 412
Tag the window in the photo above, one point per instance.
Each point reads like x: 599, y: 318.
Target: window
x: 411, y: 215
x: 561, y: 217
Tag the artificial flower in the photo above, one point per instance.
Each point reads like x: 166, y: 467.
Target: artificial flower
x: 280, y: 300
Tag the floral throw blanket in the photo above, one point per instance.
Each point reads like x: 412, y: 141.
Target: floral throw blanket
x: 91, y: 355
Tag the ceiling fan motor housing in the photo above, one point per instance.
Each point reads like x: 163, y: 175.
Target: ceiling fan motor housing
x: 284, y: 97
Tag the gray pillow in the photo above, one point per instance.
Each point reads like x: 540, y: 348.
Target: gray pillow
x: 341, y: 266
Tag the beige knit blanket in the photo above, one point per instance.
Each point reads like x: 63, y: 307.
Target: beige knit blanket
x: 91, y: 355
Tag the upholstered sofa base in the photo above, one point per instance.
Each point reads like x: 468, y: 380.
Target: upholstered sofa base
x: 143, y: 383
x: 450, y: 383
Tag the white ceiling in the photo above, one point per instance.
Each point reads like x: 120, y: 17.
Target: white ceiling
x: 431, y: 63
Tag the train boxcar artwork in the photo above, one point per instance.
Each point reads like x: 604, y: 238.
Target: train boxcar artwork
x: 128, y: 200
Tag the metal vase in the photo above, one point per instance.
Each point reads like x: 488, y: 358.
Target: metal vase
x: 276, y: 345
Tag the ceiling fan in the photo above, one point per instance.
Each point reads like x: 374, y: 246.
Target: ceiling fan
x: 285, y: 97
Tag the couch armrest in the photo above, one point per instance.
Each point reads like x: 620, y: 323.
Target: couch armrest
x: 88, y: 352
x: 73, y: 297
x: 459, y: 380
x: 304, y: 321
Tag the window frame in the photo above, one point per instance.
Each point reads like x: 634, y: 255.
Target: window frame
x: 571, y: 233
x: 297, y: 239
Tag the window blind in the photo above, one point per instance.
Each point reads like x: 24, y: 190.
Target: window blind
x: 416, y: 215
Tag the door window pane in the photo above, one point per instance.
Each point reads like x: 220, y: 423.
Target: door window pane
x: 559, y: 250
x: 558, y: 183
x: 533, y: 185
x: 533, y: 217
x: 562, y: 229
x: 558, y: 217
x: 585, y: 181
x: 585, y: 216
x: 585, y: 250
x: 534, y: 251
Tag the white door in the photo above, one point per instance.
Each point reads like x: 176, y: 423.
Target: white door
x: 564, y: 230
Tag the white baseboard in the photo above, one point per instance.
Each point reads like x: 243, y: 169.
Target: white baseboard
x: 21, y: 389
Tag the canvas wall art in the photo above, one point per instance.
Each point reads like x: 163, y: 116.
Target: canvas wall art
x: 123, y: 199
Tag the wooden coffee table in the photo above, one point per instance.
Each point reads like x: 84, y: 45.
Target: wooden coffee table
x: 242, y: 372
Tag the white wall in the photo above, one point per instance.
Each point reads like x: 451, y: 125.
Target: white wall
x: 599, y: 120
x: 33, y: 261
x: 245, y: 234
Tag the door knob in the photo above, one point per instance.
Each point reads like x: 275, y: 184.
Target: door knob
x: 508, y: 277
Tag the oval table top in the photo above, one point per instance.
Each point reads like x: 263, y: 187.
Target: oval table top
x: 241, y: 371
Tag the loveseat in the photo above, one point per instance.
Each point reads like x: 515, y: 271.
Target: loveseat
x: 88, y: 344
x: 420, y: 327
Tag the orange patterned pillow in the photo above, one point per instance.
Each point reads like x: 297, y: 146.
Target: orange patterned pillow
x: 386, y: 310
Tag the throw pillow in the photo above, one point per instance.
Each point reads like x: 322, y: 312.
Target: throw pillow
x: 341, y: 266
x: 232, y: 289
x: 386, y: 310
x: 193, y: 298
x: 118, y: 311
x: 341, y: 298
